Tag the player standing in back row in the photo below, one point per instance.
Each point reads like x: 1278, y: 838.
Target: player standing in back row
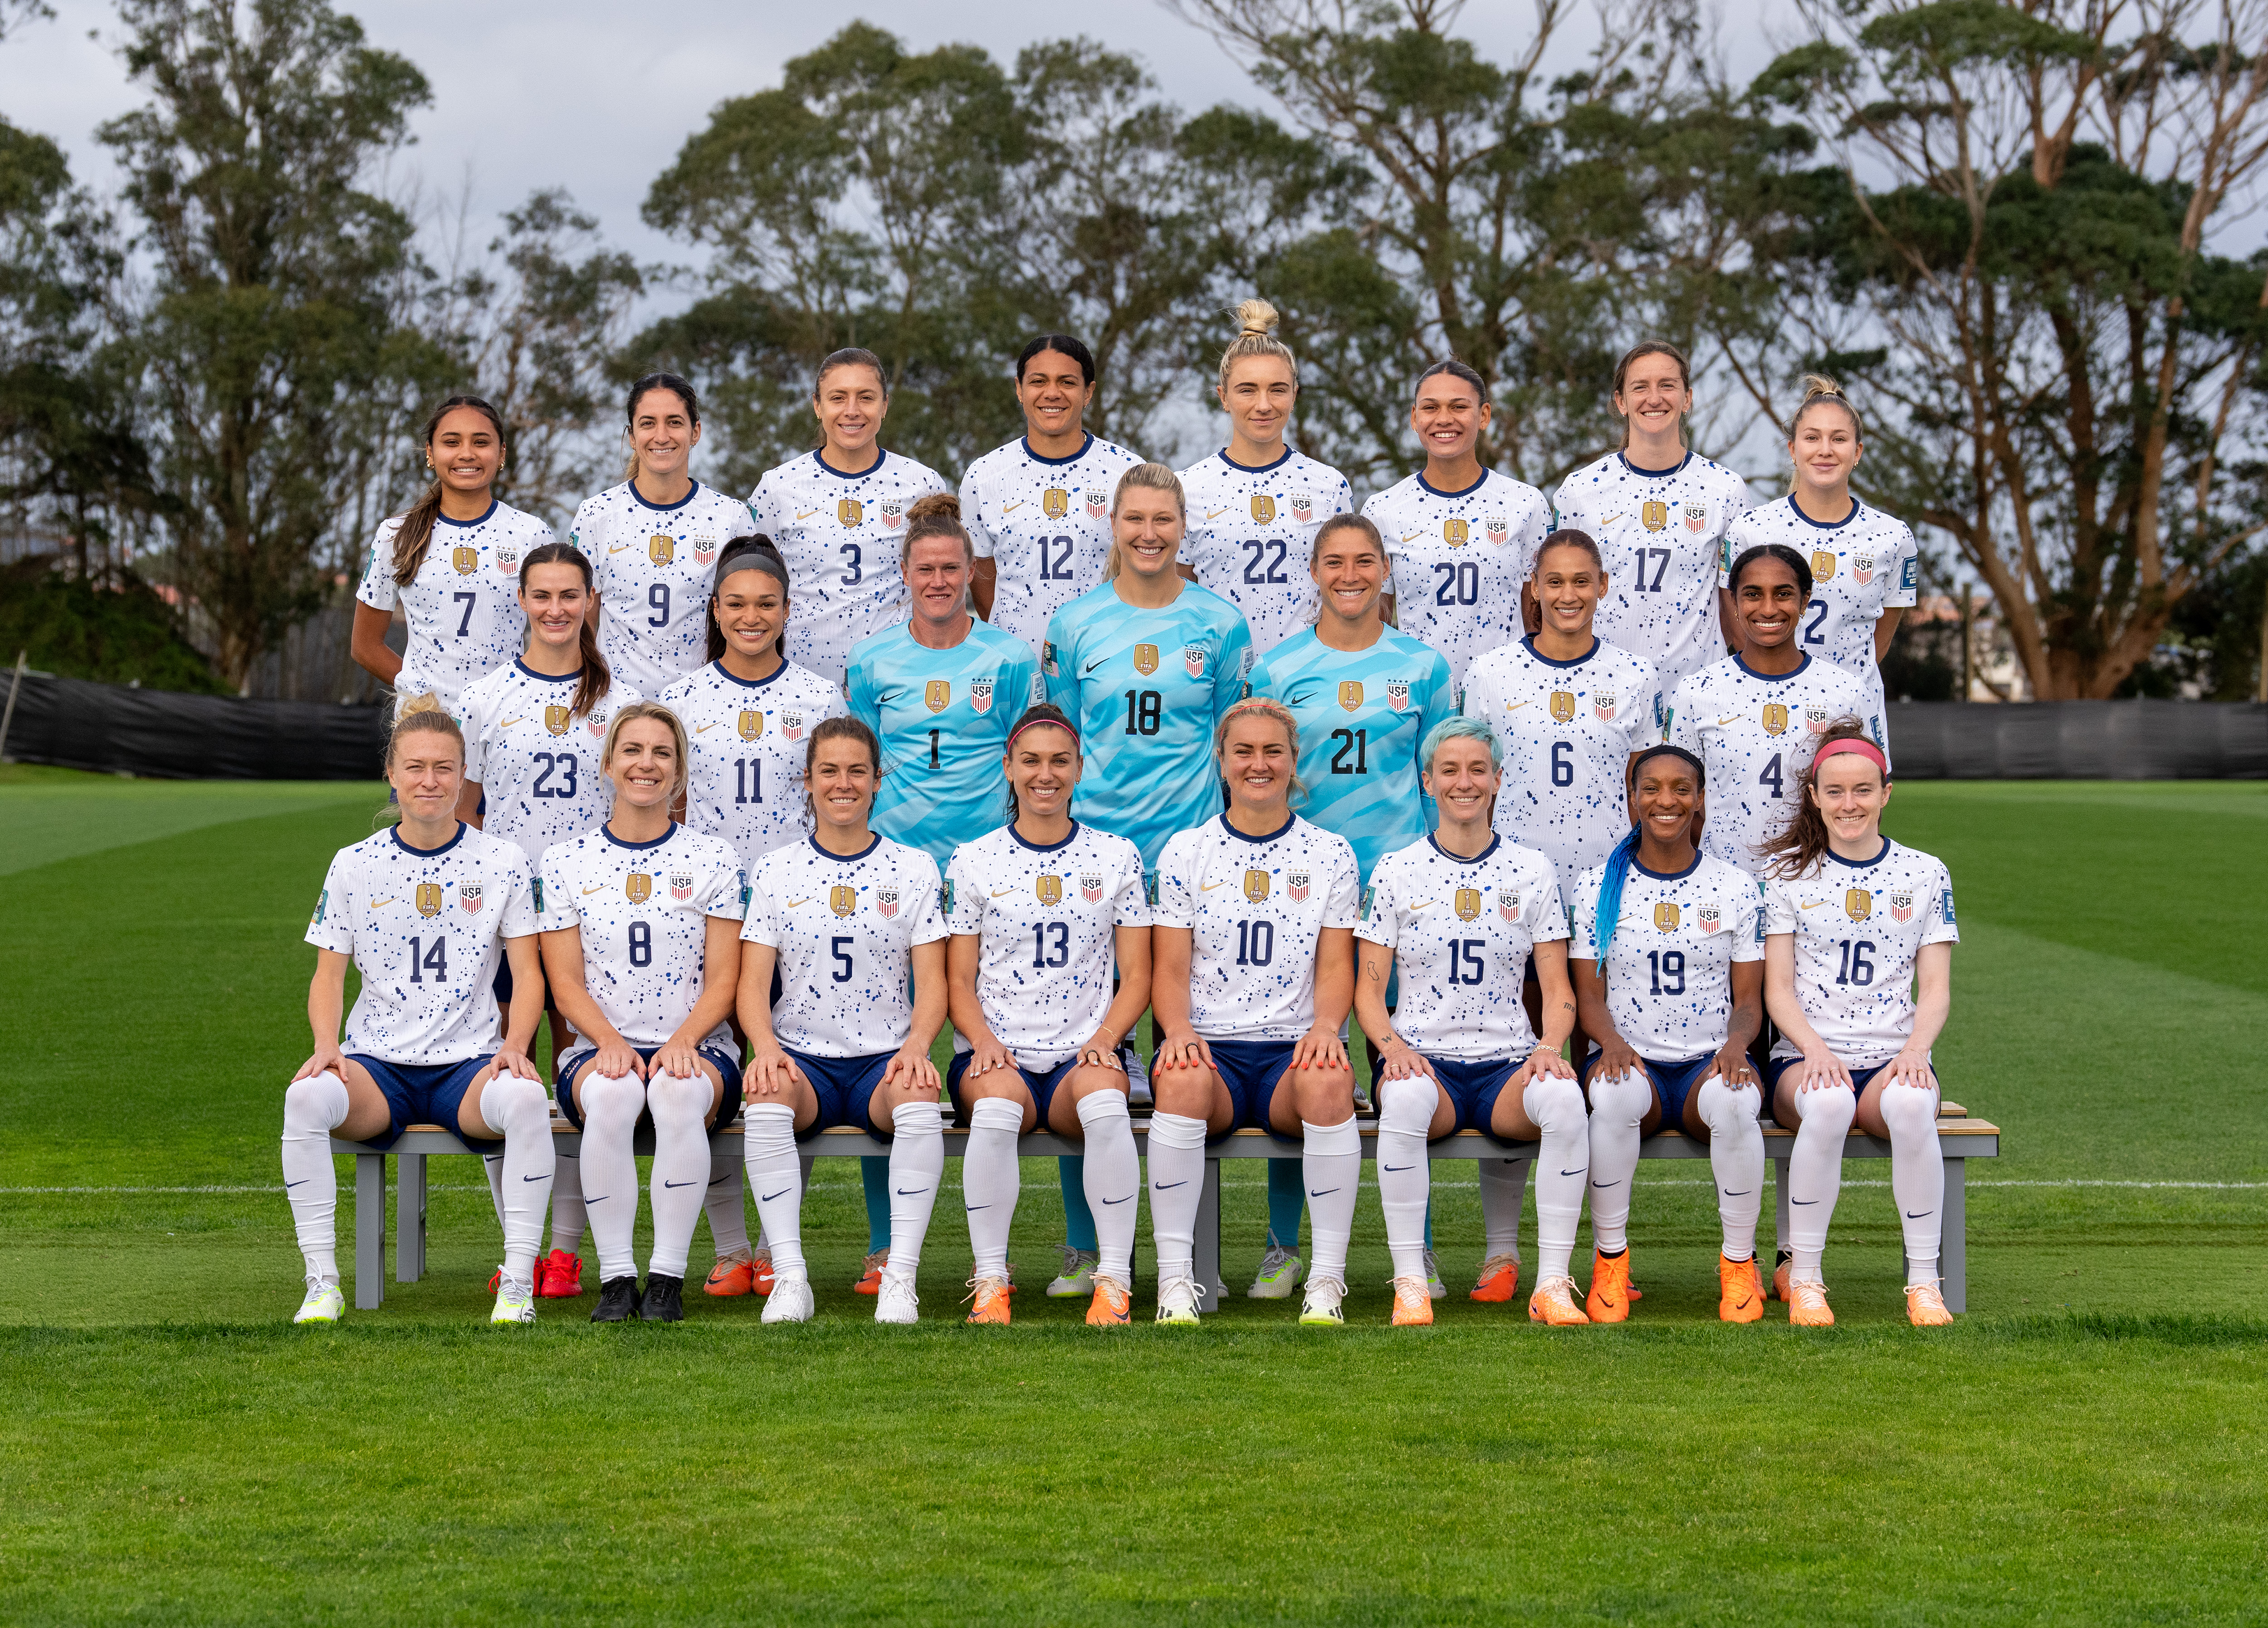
x: 1255, y: 505
x: 1660, y: 512
x: 837, y: 514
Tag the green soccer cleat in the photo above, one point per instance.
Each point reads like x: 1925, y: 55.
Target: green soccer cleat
x: 515, y: 1301
x: 1322, y: 1307
x: 1279, y: 1275
x: 324, y: 1303
x: 1078, y: 1278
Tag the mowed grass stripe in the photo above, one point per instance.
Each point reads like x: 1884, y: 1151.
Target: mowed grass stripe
x: 45, y: 821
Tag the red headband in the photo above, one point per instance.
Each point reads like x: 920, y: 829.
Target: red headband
x: 1062, y: 724
x: 1853, y: 743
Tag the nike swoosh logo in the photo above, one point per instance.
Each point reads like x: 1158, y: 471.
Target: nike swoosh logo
x: 1513, y: 706
x: 791, y: 903
x: 1803, y: 1201
x: 1813, y: 905
x: 1209, y: 887
x: 1216, y: 514
x: 1165, y: 1187
x: 1326, y: 1193
x: 602, y: 1199
x: 377, y: 903
x: 804, y: 514
x: 1127, y: 1199
x: 1611, y: 518
x: 616, y: 548
x: 1729, y: 1193
x: 302, y: 1182
x: 587, y: 892
x: 1428, y: 905
x: 1407, y: 535
x: 1097, y: 662
x: 1576, y: 1172
x: 532, y: 1178
x: 1723, y: 721
x: 1916, y: 1215
x: 508, y: 723
x: 703, y: 729
x: 1400, y: 1167
x: 974, y: 1208
x: 911, y: 1192
x: 1002, y: 893
x: 1617, y: 1183
x: 721, y: 1180
x: 1010, y: 508
x: 665, y: 1184
x: 768, y: 1197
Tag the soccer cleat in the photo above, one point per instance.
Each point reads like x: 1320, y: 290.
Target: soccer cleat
x: 1500, y: 1280
x: 559, y: 1277
x: 1435, y: 1289
x: 1177, y: 1301
x: 870, y: 1274
x: 760, y: 1281
x: 1112, y: 1306
x: 991, y: 1297
x: 618, y: 1300
x: 1780, y: 1279
x: 1926, y: 1307
x: 733, y: 1275
x: 791, y: 1301
x: 515, y: 1301
x: 1279, y: 1275
x: 324, y: 1303
x: 1138, y: 1078
x: 664, y: 1299
x: 1078, y: 1276
x: 1320, y: 1308
x: 1807, y: 1305
x: 1413, y: 1306
x: 1554, y: 1303
x: 897, y: 1302
x: 1608, y: 1301
x: 1740, y: 1295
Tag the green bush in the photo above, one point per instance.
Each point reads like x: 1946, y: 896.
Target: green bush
x: 74, y: 629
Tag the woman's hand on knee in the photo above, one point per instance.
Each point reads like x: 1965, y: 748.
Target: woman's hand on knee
x: 1734, y: 1069
x: 1401, y: 1060
x: 326, y: 1059
x: 1911, y: 1068
x: 987, y: 1055
x: 771, y: 1073
x: 1819, y: 1070
x: 618, y: 1059
x: 1543, y: 1063
x: 1320, y: 1048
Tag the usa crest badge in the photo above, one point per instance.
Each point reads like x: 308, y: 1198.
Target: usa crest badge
x: 466, y: 558
x: 468, y: 897
x: 980, y: 693
x: 1858, y: 904
x: 639, y: 886
x: 1710, y: 916
x: 893, y: 512
x: 507, y: 557
x: 1090, y: 886
x: 1603, y: 702
x: 1145, y: 660
x: 429, y: 898
x: 1303, y: 506
x: 752, y: 724
x: 1562, y: 707
x: 660, y: 548
x: 1255, y: 886
x: 1351, y: 693
x: 843, y: 898
x: 1667, y: 916
x: 1775, y: 718
x: 1902, y: 905
x: 1050, y: 889
x: 849, y: 511
x: 1697, y: 516
x: 1507, y: 903
x: 1816, y: 719
x: 556, y: 719
x: 938, y: 695
x: 1397, y: 693
x: 681, y: 886
x: 1862, y: 567
x: 1653, y: 514
x: 1499, y: 527
x: 886, y: 901
x: 1468, y: 904
x: 1822, y: 566
x: 1055, y: 503
x: 1263, y: 509
x: 597, y: 727
x: 1193, y: 658
x: 1455, y: 533
x: 791, y: 725
x: 704, y: 547
x: 1097, y: 503
x: 1296, y: 883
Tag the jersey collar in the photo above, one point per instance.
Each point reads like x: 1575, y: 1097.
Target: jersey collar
x: 778, y: 673
x: 1084, y: 447
x: 1530, y: 641
x: 1801, y: 668
x: 1654, y: 475
x: 1862, y: 865
x: 1017, y: 837
x: 1495, y: 841
x: 874, y: 468
x: 1796, y: 510
x: 1270, y: 838
x: 1467, y: 492
x: 845, y: 859
x: 607, y: 831
x: 547, y: 678
x: 638, y: 496
x: 1668, y: 876
x: 394, y: 831
x: 1256, y: 469
x: 482, y: 520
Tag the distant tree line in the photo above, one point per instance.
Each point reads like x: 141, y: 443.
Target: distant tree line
x: 2005, y: 226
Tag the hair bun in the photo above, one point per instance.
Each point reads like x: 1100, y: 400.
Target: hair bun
x: 1256, y: 316
x: 936, y: 503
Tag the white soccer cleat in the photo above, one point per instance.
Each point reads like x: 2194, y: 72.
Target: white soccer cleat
x: 1077, y: 1279
x: 896, y: 1302
x: 1138, y: 1078
x: 791, y: 1299
x: 1279, y: 1275
x: 515, y: 1301
x: 1177, y: 1303
x: 324, y: 1303
x: 1321, y: 1309
x: 1435, y: 1289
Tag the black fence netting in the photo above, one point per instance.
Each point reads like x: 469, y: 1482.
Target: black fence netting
x: 2079, y: 740
x: 166, y: 736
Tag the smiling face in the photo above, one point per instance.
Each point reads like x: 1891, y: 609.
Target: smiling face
x: 937, y: 577
x: 556, y: 600
x: 1825, y: 445
x: 1569, y: 585
x: 1258, y: 397
x: 1462, y: 780
x: 751, y: 609
x: 663, y: 433
x: 1666, y: 797
x: 643, y: 764
x: 1768, y: 600
x: 466, y: 451
x: 1448, y: 417
x: 427, y: 773
x: 1043, y: 765
x: 841, y: 781
x: 1654, y: 395
x: 1054, y: 394
x: 1256, y: 761
x: 851, y: 404
x: 1850, y: 794
x: 1147, y: 526
x: 1349, y: 568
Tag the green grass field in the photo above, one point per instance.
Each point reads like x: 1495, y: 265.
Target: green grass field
x: 2089, y: 1443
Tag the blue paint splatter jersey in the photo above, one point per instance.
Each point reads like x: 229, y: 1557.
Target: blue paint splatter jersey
x: 1669, y: 979
x: 1147, y: 688
x: 537, y: 764
x: 748, y: 738
x: 1251, y: 531
x: 1460, y: 559
x: 654, y: 564
x: 845, y: 930
x: 1858, y: 928
x: 1045, y: 525
x: 462, y: 606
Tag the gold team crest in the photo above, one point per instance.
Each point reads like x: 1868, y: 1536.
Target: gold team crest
x: 466, y: 559
x: 556, y: 718
x: 1822, y: 566
x: 1667, y: 916
x: 1469, y: 903
x: 1256, y: 886
x: 429, y: 898
x: 939, y: 695
x: 661, y: 548
x: 1562, y: 705
x: 1351, y: 693
x: 1055, y: 503
x: 1051, y: 890
x: 1457, y: 534
x: 752, y: 724
x: 1145, y: 660
x: 1857, y: 904
x: 1263, y: 508
x: 849, y: 511
x: 843, y: 898
x: 1653, y: 514
x: 1775, y: 718
x: 638, y: 887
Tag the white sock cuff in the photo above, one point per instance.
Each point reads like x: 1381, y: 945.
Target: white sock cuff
x: 1097, y: 1106
x: 916, y: 1119
x: 1176, y: 1131
x: 1406, y: 1106
x: 1340, y: 1138
x: 997, y: 1114
x: 319, y: 1104
x: 769, y: 1129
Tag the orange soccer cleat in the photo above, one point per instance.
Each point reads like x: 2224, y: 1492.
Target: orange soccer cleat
x: 991, y: 1297
x: 559, y: 1275
x: 1807, y: 1305
x: 1779, y: 1280
x: 1554, y: 1303
x: 760, y: 1279
x: 1926, y: 1307
x: 1413, y: 1304
x: 870, y: 1280
x: 1108, y: 1309
x: 733, y: 1275
x: 1500, y: 1280
x: 1739, y: 1292
x: 1608, y: 1301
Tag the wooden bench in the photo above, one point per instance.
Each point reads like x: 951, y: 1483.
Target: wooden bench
x: 1959, y: 1139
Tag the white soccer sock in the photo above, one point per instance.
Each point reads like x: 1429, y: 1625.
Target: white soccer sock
x: 611, y: 1106
x: 312, y: 1109
x: 990, y: 1178
x: 1917, y: 1176
x: 1111, y: 1180
x: 1618, y: 1103
x: 775, y: 1177
x: 1330, y: 1163
x: 1815, y: 1176
x: 1563, y: 1164
x: 492, y: 1167
x: 916, y: 1171
x: 1736, y: 1159
x: 569, y: 1218
x: 1503, y: 1187
x: 1405, y: 1113
x: 726, y: 1206
x: 1177, y: 1175
x: 680, y: 1177
x: 521, y: 1108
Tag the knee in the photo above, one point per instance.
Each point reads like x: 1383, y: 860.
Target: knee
x: 509, y: 1100
x: 1726, y: 1109
x: 1187, y: 1091
x: 1826, y: 1112
x: 612, y: 1101
x: 1907, y: 1112
x: 1553, y: 1102
x: 1621, y: 1098
x: 1325, y: 1097
x: 318, y: 1103
x: 677, y: 1101
x: 1406, y: 1106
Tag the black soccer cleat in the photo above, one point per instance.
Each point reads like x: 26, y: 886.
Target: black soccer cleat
x: 664, y: 1299
x: 618, y: 1300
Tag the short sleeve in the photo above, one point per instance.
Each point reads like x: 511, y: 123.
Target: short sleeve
x: 972, y: 516
x: 555, y: 897
x: 518, y: 920
x: 1131, y: 907
x: 378, y: 589
x: 1779, y: 909
x: 1020, y: 678
x: 1736, y: 501
x: 1343, y: 500
x: 1381, y: 918
x: 760, y: 509
x: 1583, y: 923
x: 1538, y: 526
x: 1344, y: 907
x: 1682, y: 728
x: 858, y: 689
x: 1744, y: 915
x: 928, y: 925
x: 727, y: 895
x: 1941, y: 929
x: 964, y: 903
x: 331, y: 926
x: 761, y: 924
x: 1442, y: 701
x: 1905, y: 573
x: 1176, y: 905
x: 1541, y: 910
x: 475, y: 725
x: 1228, y: 675
x: 1650, y: 722
x: 1057, y: 664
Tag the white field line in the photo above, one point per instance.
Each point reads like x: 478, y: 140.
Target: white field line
x: 1651, y: 1181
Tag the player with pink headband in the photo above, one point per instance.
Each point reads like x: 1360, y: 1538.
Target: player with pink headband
x: 1858, y: 976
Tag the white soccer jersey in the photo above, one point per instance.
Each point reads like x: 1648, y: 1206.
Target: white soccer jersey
x: 1567, y: 729
x: 643, y: 909
x: 748, y: 741
x: 655, y: 566
x: 462, y: 606
x: 1865, y: 564
x: 1048, y: 920
x: 1459, y: 560
x: 845, y: 931
x: 426, y: 932
x: 1661, y: 532
x: 840, y: 535
x: 1250, y: 534
x: 1858, y: 930
x: 1757, y: 735
x: 1256, y: 906
x: 1045, y: 525
x: 538, y: 766
x: 1462, y: 932
x: 1669, y: 979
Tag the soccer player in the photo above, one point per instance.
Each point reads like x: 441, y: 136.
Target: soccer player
x: 424, y: 909
x: 641, y: 924
x: 654, y: 539
x: 1669, y: 974
x: 1461, y: 540
x: 457, y: 596
x: 850, y: 922
x: 1038, y: 510
x: 1455, y: 919
x: 1042, y: 910
x: 1660, y: 512
x: 1864, y: 567
x: 838, y: 514
x: 1252, y: 944
x: 1255, y: 505
x: 1756, y: 718
x: 1859, y: 936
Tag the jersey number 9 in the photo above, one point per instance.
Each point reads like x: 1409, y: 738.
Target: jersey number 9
x: 657, y: 599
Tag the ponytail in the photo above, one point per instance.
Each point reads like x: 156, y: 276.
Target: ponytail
x: 597, y: 678
x: 1611, y: 892
x: 413, y: 536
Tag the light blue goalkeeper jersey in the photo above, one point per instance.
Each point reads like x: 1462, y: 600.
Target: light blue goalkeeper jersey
x: 1362, y: 715
x: 943, y: 717
x: 1147, y: 688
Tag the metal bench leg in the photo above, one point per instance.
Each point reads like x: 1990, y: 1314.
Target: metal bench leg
x: 1780, y: 1211
x: 1953, y: 1248
x: 408, y: 1218
x: 370, y: 1231
x: 1208, y: 1239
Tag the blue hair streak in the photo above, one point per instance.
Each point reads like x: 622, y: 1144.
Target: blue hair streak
x: 1619, y: 860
